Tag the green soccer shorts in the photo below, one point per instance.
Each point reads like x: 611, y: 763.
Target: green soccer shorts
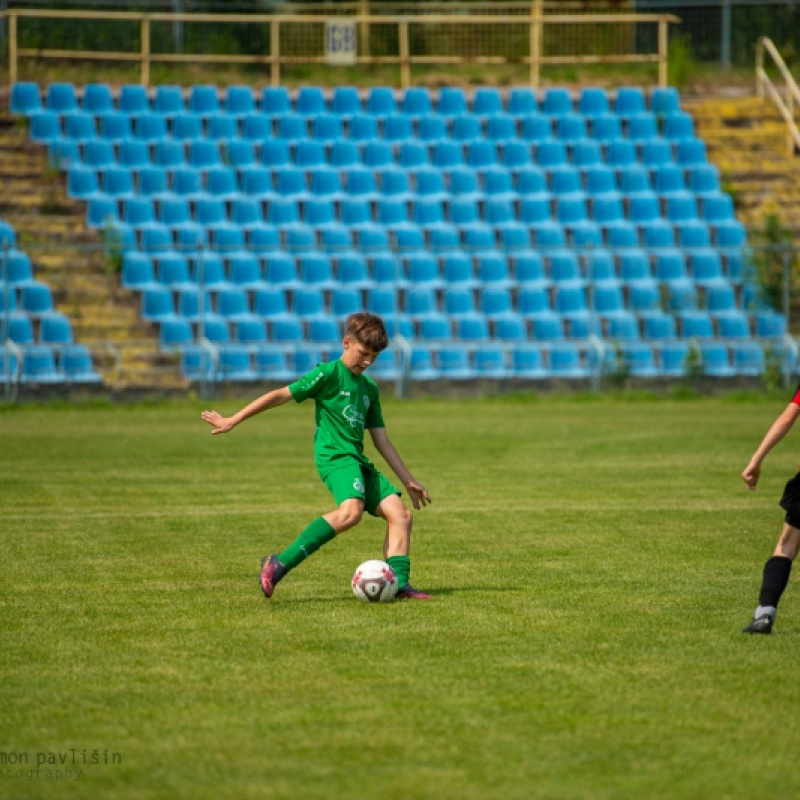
x: 352, y: 480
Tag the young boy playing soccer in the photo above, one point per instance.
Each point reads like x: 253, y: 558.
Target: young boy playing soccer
x: 779, y: 566
x: 347, y: 404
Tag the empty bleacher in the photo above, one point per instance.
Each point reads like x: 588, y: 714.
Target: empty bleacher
x: 502, y: 234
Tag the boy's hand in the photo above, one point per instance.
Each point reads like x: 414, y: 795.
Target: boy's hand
x: 751, y: 476
x: 221, y: 424
x: 418, y: 494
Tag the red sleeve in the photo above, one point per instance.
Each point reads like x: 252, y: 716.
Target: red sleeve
x: 796, y: 397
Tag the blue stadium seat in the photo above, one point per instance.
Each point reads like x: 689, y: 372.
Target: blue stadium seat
x: 486, y: 102
x: 533, y: 302
x: 665, y: 100
x: 222, y: 127
x: 522, y: 102
x: 679, y: 125
x: 416, y: 102
x: 535, y: 129
x: 501, y: 129
x: 691, y: 152
x: 175, y: 332
x: 528, y: 363
x: 634, y: 178
x: 235, y: 363
x: 82, y: 182
x: 76, y: 363
x: 472, y: 328
x: 606, y: 128
x: 239, y: 101
x: 716, y: 360
x: 55, y: 328
x: 658, y: 325
x: 704, y: 180
x: 656, y: 153
x: 345, y: 155
x: 593, y: 102
x: 134, y: 154
x: 99, y: 154
x: 204, y: 100
x: 168, y: 100
x: 556, y: 102
x: 413, y: 155
x: 451, y: 102
x: 733, y: 325
x: 454, y: 363
x: 705, y: 266
x: 45, y: 126
x: 275, y: 101
x: 571, y: 128
x: 634, y: 266
x: 673, y: 357
x: 363, y: 128
x: 748, y: 359
x: 39, y: 365
x: 345, y: 102
x: 25, y: 98
x: 157, y: 303
x: 133, y: 100
x: 629, y: 101
x: 61, y: 98
x: 80, y: 126
x: 696, y: 324
x: 770, y: 324
x: 421, y: 302
x: 566, y: 362
x: 621, y: 154
x: 640, y: 360
x: 382, y: 301
x: 490, y: 362
x: 642, y: 128
x: 434, y: 327
x: 258, y: 128
x: 187, y: 126
x: 495, y: 302
x: 292, y: 128
x: 466, y: 129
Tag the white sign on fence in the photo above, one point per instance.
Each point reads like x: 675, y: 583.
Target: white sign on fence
x: 340, y: 42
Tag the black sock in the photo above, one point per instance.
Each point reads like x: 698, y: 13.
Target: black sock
x: 776, y: 576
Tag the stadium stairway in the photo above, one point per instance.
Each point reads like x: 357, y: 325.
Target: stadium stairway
x: 746, y: 140
x: 35, y: 203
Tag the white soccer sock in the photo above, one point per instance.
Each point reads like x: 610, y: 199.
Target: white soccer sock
x: 762, y: 610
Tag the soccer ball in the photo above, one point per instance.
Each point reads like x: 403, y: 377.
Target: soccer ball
x: 374, y: 582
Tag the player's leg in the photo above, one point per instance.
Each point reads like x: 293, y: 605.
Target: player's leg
x: 347, y: 487
x: 776, y: 577
x: 397, y: 544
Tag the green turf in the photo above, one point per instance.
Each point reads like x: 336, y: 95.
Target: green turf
x: 593, y: 562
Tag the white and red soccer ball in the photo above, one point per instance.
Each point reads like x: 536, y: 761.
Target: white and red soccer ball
x: 374, y: 582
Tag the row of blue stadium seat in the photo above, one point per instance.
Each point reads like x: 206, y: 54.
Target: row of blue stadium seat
x: 289, y: 233
x: 634, y: 164
x: 570, y: 129
x: 46, y: 364
x: 258, y: 181
x: 245, y: 327
x: 24, y: 328
x: 479, y: 153
x: 460, y: 362
x: 423, y: 269
x: 345, y: 101
x: 424, y: 211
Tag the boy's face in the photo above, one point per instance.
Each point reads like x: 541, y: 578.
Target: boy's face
x: 356, y: 357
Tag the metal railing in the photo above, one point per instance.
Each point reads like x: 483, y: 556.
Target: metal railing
x: 407, y: 41
x: 785, y: 105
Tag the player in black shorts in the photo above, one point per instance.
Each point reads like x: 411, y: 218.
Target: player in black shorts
x: 779, y: 566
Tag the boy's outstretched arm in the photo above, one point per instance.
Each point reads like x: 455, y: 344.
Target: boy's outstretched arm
x: 778, y: 429
x: 416, y: 491
x: 269, y: 400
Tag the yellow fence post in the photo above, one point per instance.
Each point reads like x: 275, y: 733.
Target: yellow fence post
x: 405, y: 64
x: 275, y: 53
x: 12, y: 48
x: 536, y: 43
x: 663, y: 49
x: 145, y: 78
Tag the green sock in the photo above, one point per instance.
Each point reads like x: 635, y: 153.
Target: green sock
x: 402, y: 568
x: 309, y: 541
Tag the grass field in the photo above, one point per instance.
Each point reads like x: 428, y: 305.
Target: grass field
x: 593, y: 561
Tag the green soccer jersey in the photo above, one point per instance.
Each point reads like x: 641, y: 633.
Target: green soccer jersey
x: 346, y: 404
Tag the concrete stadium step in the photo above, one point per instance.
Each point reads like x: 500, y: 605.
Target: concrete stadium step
x: 746, y: 139
x: 51, y: 228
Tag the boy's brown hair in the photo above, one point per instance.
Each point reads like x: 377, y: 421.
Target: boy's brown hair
x: 368, y: 330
